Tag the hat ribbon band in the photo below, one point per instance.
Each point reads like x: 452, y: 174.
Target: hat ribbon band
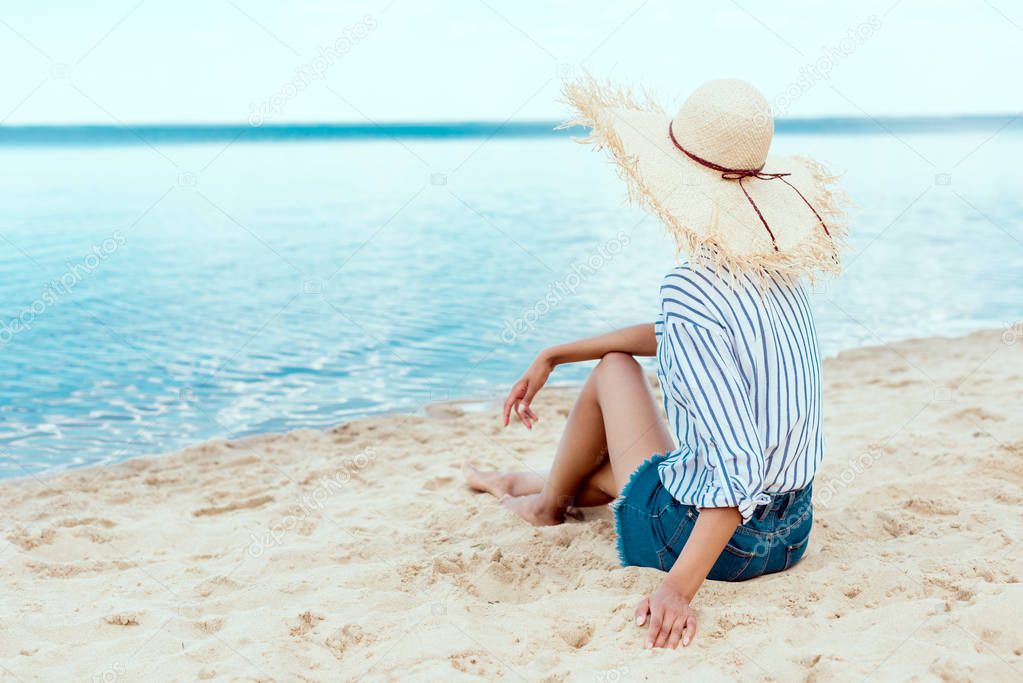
x: 741, y: 174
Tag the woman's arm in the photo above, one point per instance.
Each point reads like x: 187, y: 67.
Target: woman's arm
x: 671, y: 617
x: 638, y: 340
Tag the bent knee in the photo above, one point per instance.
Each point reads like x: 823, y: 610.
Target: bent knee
x: 617, y: 361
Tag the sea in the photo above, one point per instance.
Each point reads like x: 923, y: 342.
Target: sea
x: 164, y: 285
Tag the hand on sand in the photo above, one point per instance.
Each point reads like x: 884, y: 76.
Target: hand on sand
x: 671, y: 618
x: 523, y: 391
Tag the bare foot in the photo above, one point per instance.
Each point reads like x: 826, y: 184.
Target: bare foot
x: 498, y: 484
x: 532, y: 509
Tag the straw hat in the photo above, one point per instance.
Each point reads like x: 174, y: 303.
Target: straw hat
x: 707, y: 174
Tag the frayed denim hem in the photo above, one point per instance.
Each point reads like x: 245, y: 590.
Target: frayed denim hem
x: 653, y: 460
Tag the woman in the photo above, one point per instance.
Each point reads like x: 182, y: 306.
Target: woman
x: 718, y: 485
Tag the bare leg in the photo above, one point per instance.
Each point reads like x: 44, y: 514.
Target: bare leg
x: 500, y: 484
x: 583, y: 437
x: 615, y: 419
x: 593, y: 491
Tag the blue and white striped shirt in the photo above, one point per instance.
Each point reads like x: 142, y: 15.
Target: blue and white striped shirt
x: 741, y: 375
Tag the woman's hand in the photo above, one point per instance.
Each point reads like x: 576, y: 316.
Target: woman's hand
x: 523, y: 391
x: 638, y: 340
x: 671, y: 618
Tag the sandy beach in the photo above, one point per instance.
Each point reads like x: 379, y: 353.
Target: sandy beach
x: 359, y: 554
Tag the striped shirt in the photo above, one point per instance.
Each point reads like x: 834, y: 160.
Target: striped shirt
x: 741, y: 376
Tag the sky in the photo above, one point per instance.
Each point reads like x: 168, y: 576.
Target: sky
x: 232, y: 61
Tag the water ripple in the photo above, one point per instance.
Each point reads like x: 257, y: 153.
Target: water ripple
x: 318, y: 299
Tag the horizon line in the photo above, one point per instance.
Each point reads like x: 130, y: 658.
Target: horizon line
x: 101, y: 133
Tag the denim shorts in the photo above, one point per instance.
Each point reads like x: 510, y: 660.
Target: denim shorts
x: 653, y: 527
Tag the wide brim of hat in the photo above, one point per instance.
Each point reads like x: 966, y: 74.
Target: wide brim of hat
x: 711, y: 218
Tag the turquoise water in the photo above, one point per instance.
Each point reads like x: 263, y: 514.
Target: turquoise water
x: 160, y: 293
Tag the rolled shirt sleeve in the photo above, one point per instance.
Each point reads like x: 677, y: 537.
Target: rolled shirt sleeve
x: 706, y: 381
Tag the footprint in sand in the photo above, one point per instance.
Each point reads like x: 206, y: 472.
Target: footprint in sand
x: 248, y: 504
x: 123, y: 619
x: 82, y: 528
x: 576, y: 635
x: 508, y: 578
x: 157, y: 481
x: 203, y: 557
x: 897, y: 526
x: 475, y: 663
x: 68, y: 570
x: 500, y: 578
x: 217, y: 585
x: 437, y: 482
x: 974, y: 415
x: 931, y: 506
x: 948, y: 586
x: 209, y: 626
x: 346, y: 638
x: 306, y: 622
x: 88, y: 521
x: 28, y: 540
